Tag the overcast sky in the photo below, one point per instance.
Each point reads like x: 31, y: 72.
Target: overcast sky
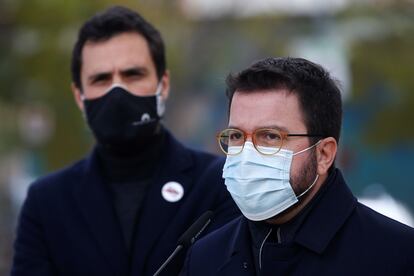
x: 217, y: 8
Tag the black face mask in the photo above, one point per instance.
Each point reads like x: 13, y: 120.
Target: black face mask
x: 120, y: 119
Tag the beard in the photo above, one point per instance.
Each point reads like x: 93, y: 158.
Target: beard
x: 306, y: 176
x: 300, y: 183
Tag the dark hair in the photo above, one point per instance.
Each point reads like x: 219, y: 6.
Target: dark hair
x: 113, y: 21
x: 319, y: 95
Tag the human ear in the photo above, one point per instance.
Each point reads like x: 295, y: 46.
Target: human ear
x: 77, y: 94
x: 165, y: 81
x: 325, y: 154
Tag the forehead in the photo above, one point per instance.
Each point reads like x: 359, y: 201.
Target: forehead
x: 122, y: 50
x: 266, y: 108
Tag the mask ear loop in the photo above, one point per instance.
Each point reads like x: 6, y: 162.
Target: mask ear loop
x: 317, y: 176
x: 160, y: 100
x: 310, y: 187
x: 308, y: 148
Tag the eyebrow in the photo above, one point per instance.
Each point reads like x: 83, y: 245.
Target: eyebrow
x: 98, y: 76
x: 137, y: 70
x: 134, y: 71
x: 266, y: 126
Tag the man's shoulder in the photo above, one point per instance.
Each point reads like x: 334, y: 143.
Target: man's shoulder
x: 199, y: 158
x: 205, y: 165
x: 207, y: 158
x: 358, y: 224
x: 59, y: 179
x: 369, y: 229
x: 370, y: 219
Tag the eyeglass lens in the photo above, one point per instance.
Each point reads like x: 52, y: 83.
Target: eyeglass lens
x: 266, y: 141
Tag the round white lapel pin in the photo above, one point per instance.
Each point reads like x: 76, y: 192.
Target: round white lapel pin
x: 172, y: 191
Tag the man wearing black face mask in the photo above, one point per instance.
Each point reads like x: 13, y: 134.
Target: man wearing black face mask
x: 120, y: 210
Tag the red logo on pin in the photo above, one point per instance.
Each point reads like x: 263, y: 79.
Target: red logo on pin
x: 172, y: 191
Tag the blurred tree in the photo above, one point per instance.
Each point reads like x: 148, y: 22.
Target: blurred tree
x: 37, y: 39
x: 382, y: 69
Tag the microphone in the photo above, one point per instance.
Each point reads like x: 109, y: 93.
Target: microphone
x: 189, y: 237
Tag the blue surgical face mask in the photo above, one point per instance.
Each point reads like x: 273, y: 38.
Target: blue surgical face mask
x: 259, y: 184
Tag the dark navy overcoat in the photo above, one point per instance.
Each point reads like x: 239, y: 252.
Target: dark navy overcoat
x: 338, y: 237
x: 68, y: 224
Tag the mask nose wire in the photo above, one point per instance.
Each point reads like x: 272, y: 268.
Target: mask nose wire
x: 116, y: 84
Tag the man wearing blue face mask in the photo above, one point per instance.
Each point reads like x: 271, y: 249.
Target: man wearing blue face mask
x: 299, y: 216
x: 121, y: 210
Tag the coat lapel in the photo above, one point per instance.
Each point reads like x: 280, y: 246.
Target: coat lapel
x: 94, y: 201
x: 157, y: 213
x: 328, y: 215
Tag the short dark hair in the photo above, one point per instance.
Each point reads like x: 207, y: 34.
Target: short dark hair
x: 318, y: 94
x: 113, y: 21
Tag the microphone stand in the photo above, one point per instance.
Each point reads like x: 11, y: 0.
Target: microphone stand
x: 177, y: 249
x: 189, y: 237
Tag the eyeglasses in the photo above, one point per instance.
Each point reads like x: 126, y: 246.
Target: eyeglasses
x: 267, y: 141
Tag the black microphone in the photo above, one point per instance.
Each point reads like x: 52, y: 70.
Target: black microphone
x: 189, y: 237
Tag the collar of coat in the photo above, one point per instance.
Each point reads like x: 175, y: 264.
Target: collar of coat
x: 322, y: 223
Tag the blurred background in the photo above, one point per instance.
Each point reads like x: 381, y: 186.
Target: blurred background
x: 367, y: 45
